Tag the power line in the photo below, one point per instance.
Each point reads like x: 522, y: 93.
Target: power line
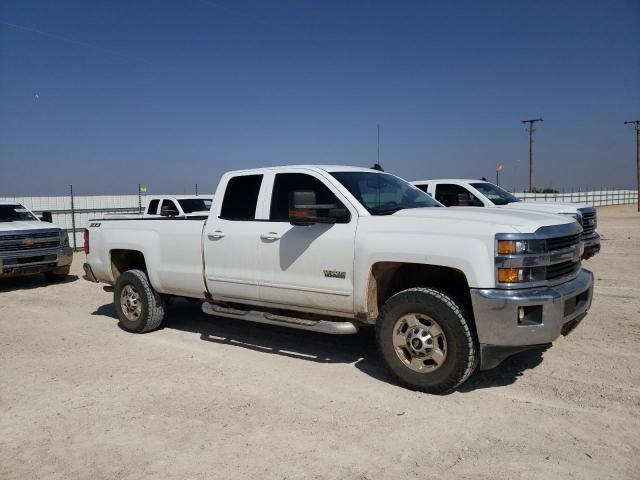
x: 637, y: 124
x: 531, y: 129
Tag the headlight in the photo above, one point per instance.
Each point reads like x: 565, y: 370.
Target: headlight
x: 64, y: 238
x: 519, y: 247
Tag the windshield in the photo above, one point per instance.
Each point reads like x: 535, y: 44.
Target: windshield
x: 190, y: 205
x: 383, y: 194
x: 9, y: 213
x: 494, y: 193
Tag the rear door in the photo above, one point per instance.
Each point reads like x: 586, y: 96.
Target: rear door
x: 231, y: 241
x: 306, y: 266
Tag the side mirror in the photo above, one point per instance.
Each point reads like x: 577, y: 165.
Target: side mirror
x: 303, y: 209
x: 167, y: 211
x: 47, y: 217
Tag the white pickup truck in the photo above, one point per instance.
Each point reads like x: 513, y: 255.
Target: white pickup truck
x: 29, y: 245
x: 330, y: 249
x: 457, y: 192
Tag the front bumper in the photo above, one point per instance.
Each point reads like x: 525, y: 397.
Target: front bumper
x: 508, y: 321
x: 36, y: 261
x: 591, y: 246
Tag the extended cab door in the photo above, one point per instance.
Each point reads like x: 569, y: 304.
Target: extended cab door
x: 231, y: 240
x: 306, y: 266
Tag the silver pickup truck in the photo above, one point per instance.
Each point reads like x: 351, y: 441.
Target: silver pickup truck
x: 28, y: 245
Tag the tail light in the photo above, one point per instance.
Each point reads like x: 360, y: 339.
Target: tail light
x: 85, y: 237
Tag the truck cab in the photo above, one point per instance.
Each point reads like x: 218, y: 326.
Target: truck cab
x: 29, y: 245
x: 457, y: 192
x: 178, y: 206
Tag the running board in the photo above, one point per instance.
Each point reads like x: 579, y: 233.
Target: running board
x: 322, y: 326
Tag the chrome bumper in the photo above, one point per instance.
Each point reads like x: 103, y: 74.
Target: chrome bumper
x: 591, y: 246
x: 513, y: 320
x: 35, y: 261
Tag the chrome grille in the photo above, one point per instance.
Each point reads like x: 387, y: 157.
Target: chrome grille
x: 589, y: 222
x: 29, y: 241
x: 562, y: 242
x: 562, y: 269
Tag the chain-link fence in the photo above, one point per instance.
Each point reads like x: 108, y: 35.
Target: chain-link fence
x: 596, y: 198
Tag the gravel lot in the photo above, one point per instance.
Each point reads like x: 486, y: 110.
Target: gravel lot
x: 208, y: 397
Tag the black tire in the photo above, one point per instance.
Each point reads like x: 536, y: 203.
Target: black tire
x: 57, y: 277
x: 151, y: 311
x: 461, y: 352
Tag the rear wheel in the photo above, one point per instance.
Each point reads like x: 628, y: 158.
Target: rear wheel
x: 426, y: 341
x: 139, y: 307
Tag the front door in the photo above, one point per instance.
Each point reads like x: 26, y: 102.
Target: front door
x: 306, y: 266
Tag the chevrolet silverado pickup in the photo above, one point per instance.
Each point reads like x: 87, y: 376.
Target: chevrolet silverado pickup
x: 331, y: 249
x: 480, y: 193
x: 29, y: 245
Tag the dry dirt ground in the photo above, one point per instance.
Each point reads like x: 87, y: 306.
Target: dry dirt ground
x: 208, y: 397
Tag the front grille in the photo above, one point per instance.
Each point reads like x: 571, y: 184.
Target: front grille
x: 562, y: 269
x: 589, y: 223
x: 562, y: 242
x: 23, y: 236
x: 29, y: 242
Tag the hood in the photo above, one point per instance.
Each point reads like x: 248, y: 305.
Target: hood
x: 546, y: 207
x: 18, y: 225
x: 503, y: 219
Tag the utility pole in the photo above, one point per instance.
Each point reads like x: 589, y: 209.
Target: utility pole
x: 531, y: 129
x: 637, y: 124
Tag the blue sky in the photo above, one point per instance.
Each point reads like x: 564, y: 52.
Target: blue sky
x: 108, y: 94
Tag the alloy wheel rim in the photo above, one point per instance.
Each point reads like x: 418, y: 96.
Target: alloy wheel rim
x: 419, y: 342
x: 130, y: 303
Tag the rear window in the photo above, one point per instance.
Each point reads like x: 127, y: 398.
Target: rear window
x: 153, y: 207
x: 241, y: 198
x: 190, y: 205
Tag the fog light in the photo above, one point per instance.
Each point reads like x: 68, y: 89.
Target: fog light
x: 531, y: 315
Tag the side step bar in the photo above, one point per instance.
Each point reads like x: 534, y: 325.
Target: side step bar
x: 322, y: 326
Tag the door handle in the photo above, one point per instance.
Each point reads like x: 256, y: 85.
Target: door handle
x: 270, y: 236
x: 215, y: 235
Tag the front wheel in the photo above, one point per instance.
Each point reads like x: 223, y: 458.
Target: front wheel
x: 139, y: 307
x: 426, y: 341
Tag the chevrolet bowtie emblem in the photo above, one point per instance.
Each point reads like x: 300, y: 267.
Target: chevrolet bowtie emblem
x: 27, y: 242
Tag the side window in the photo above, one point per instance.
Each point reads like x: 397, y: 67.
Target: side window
x: 456, y: 196
x: 241, y: 198
x: 153, y: 207
x: 285, y: 183
x: 169, y: 208
x: 424, y: 187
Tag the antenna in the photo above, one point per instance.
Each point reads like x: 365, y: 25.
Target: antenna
x: 377, y: 166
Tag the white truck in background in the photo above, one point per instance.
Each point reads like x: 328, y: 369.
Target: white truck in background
x: 172, y: 206
x: 331, y: 249
x: 29, y: 245
x: 458, y: 192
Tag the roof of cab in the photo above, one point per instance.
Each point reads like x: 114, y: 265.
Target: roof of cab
x: 325, y: 168
x: 452, y: 180
x: 8, y: 202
